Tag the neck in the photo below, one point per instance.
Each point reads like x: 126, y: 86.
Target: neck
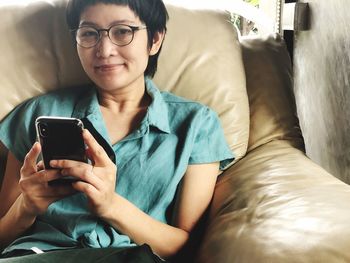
x: 124, y: 100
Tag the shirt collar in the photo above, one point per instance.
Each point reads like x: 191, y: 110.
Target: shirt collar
x: 87, y: 104
x: 157, y: 113
x: 89, y: 108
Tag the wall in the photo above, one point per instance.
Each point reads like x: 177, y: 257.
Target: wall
x: 322, y: 80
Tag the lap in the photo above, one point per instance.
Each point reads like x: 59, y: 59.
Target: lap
x: 139, y: 254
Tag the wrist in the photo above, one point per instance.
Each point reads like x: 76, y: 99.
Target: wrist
x: 24, y: 209
x: 111, y: 214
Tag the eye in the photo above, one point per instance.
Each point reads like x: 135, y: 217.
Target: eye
x: 121, y: 31
x: 86, y: 32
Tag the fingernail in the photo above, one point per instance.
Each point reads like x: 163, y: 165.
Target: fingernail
x: 53, y: 163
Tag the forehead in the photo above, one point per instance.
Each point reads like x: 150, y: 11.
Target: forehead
x: 107, y: 14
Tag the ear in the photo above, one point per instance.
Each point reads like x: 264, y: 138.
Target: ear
x: 157, y: 43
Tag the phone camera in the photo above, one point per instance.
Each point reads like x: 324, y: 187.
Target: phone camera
x: 43, y: 129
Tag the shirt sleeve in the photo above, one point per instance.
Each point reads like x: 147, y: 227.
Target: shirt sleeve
x: 209, y: 141
x: 17, y: 130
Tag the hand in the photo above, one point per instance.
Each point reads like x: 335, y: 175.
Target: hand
x: 97, y: 181
x: 37, y: 195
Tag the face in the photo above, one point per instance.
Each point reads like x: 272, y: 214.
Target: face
x: 109, y: 66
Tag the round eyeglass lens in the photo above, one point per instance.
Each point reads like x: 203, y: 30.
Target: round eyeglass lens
x: 121, y: 35
x: 87, y: 36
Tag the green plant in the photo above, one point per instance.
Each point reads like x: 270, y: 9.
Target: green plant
x: 245, y: 26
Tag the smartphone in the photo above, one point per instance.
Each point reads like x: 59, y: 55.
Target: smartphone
x: 61, y: 139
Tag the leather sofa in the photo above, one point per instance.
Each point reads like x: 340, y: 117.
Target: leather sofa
x: 272, y: 204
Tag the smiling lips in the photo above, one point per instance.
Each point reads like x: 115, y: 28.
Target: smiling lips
x: 108, y: 67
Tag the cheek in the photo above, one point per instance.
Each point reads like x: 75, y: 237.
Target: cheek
x: 85, y: 58
x: 141, y: 55
x: 139, y: 49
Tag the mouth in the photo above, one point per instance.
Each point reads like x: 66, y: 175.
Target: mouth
x: 108, y: 67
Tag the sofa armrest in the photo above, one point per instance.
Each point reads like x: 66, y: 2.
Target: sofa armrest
x: 276, y: 205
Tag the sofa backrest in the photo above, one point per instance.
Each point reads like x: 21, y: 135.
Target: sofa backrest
x: 269, y: 77
x: 201, y: 60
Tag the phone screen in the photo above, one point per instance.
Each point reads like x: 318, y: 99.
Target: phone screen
x: 60, y: 138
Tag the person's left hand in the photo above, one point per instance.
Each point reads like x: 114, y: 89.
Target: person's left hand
x: 97, y: 180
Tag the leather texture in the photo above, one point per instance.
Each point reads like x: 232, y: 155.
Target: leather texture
x: 273, y: 204
x: 276, y: 205
x: 269, y: 77
x: 41, y: 57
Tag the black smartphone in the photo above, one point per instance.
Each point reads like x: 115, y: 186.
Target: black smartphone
x: 60, y: 138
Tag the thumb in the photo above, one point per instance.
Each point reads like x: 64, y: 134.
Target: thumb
x: 95, y: 151
x: 29, y: 164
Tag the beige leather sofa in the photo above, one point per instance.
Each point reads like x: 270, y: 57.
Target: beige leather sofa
x: 273, y: 204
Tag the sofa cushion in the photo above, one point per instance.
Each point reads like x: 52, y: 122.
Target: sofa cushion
x: 270, y: 90
x: 201, y: 60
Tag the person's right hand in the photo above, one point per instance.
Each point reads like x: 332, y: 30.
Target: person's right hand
x: 37, y: 195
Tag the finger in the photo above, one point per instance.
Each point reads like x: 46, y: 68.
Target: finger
x: 61, y: 191
x: 46, y: 176
x: 84, y: 173
x: 96, y: 151
x: 88, y: 155
x: 40, y: 166
x: 85, y: 188
x: 61, y: 164
x: 29, y: 164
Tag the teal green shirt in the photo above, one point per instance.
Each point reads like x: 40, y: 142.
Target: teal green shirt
x: 151, y: 161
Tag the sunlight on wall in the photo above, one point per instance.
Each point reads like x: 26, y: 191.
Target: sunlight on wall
x: 238, y: 7
x: 19, y: 2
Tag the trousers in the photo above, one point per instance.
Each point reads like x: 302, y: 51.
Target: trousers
x: 138, y: 254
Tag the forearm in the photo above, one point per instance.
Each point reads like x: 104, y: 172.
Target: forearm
x: 165, y: 240
x: 14, y: 223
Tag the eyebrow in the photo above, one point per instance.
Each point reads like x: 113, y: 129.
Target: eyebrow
x: 123, y: 21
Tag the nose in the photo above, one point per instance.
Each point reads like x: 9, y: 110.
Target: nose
x: 105, y: 47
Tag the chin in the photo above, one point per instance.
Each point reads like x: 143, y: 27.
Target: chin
x: 109, y: 85
x: 109, y: 82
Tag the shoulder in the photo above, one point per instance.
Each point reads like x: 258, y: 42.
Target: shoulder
x: 17, y: 129
x: 190, y: 116
x: 182, y: 113
x: 58, y: 102
x: 177, y: 103
x: 58, y: 98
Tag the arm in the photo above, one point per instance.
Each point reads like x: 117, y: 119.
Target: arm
x: 98, y: 183
x: 13, y: 222
x: 193, y: 198
x: 25, y: 194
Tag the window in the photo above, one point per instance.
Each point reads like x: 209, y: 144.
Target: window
x: 244, y: 25
x: 249, y: 16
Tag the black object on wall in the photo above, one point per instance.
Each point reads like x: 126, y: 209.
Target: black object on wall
x: 288, y: 36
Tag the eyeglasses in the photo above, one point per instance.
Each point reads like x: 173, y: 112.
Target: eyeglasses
x: 120, y: 35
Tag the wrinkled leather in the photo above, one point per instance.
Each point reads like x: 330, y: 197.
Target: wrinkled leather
x: 276, y: 205
x: 273, y: 204
x: 40, y: 56
x: 269, y: 77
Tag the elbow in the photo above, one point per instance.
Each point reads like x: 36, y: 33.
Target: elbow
x: 174, y: 246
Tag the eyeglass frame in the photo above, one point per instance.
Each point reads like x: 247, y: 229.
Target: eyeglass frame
x: 133, y: 29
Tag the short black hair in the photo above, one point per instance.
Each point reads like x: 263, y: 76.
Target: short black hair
x: 152, y: 13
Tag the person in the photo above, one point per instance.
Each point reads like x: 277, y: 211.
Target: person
x: 168, y: 151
